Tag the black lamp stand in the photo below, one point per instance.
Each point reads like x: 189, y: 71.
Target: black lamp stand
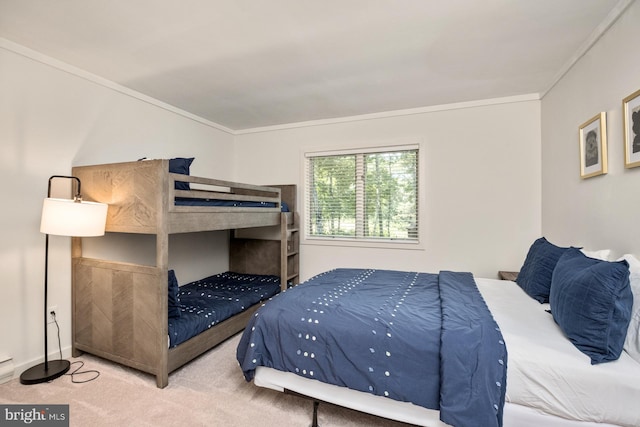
x: 48, y: 370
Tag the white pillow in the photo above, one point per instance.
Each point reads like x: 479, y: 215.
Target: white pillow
x: 602, y: 254
x: 632, y: 342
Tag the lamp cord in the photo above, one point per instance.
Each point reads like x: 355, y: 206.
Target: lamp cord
x: 53, y: 314
x: 77, y: 370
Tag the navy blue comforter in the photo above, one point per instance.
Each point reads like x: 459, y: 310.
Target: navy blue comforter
x: 207, y: 302
x: 423, y: 338
x: 190, y: 201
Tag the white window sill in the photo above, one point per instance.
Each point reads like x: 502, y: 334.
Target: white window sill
x: 364, y: 243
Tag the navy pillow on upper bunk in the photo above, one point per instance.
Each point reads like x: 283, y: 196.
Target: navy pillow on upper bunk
x: 535, y: 275
x: 181, y: 165
x: 173, y: 301
x: 591, y: 302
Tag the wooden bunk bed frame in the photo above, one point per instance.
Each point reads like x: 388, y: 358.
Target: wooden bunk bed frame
x: 120, y: 309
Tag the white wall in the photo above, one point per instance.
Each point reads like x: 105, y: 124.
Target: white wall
x: 481, y: 182
x: 599, y: 212
x: 50, y: 120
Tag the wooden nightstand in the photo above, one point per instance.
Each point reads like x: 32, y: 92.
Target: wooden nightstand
x: 508, y: 275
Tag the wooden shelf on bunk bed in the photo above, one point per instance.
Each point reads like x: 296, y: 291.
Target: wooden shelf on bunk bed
x: 508, y: 275
x: 120, y: 309
x: 278, y: 253
x: 289, y: 239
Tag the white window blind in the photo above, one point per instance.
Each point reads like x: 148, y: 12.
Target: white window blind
x: 367, y: 194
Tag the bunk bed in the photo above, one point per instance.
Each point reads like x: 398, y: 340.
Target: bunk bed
x: 120, y: 309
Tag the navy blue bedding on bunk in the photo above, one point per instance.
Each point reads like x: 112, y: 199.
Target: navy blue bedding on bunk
x: 187, y: 201
x: 428, y: 339
x: 209, y: 301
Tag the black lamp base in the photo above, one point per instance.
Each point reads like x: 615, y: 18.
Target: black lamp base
x: 38, y: 374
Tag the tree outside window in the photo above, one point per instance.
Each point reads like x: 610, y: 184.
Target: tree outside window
x: 368, y: 195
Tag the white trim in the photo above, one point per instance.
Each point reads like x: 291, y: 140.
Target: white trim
x: 63, y: 66
x: 367, y: 150
x: 608, y: 21
x: 53, y: 355
x: 396, y: 113
x: 599, y: 31
x: 396, y: 244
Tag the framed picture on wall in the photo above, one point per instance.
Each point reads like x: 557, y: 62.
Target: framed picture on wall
x: 631, y: 123
x: 593, y: 146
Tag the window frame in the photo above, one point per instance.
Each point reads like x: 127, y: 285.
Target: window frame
x: 369, y: 242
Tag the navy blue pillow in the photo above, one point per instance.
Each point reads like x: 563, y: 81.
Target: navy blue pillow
x: 181, y: 165
x: 535, y: 275
x: 174, y: 301
x: 591, y: 302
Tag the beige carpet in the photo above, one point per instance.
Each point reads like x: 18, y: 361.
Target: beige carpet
x: 209, y: 391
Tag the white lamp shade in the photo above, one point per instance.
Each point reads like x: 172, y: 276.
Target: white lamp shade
x: 64, y: 217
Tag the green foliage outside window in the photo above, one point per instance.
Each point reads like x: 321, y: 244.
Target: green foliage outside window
x: 367, y: 195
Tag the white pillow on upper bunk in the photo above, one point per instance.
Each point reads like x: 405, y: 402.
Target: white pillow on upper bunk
x: 632, y: 342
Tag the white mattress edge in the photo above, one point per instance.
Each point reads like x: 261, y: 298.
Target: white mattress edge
x: 514, y: 415
x: 353, y: 399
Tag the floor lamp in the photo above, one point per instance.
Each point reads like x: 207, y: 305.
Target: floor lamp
x: 63, y: 217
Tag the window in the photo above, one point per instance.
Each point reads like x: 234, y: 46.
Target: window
x: 365, y: 194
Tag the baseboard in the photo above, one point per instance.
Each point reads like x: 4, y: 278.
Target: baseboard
x: 7, y: 370
x: 18, y: 369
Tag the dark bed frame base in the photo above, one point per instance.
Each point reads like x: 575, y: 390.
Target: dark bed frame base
x: 316, y: 404
x: 314, y: 423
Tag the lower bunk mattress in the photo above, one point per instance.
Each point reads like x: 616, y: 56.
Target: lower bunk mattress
x: 197, y: 306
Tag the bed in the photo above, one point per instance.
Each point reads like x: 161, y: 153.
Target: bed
x: 549, y: 381
x: 203, y: 304
x: 121, y: 310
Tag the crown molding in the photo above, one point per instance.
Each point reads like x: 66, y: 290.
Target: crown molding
x: 63, y: 66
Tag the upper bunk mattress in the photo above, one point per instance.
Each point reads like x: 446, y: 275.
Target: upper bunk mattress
x: 207, y: 302
x: 187, y: 201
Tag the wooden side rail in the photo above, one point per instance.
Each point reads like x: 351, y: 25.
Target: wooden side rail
x: 141, y: 198
x: 224, y: 190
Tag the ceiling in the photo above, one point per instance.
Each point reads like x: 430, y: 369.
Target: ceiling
x: 246, y: 64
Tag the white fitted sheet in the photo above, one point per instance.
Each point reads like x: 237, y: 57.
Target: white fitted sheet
x: 549, y: 382
x: 545, y: 371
